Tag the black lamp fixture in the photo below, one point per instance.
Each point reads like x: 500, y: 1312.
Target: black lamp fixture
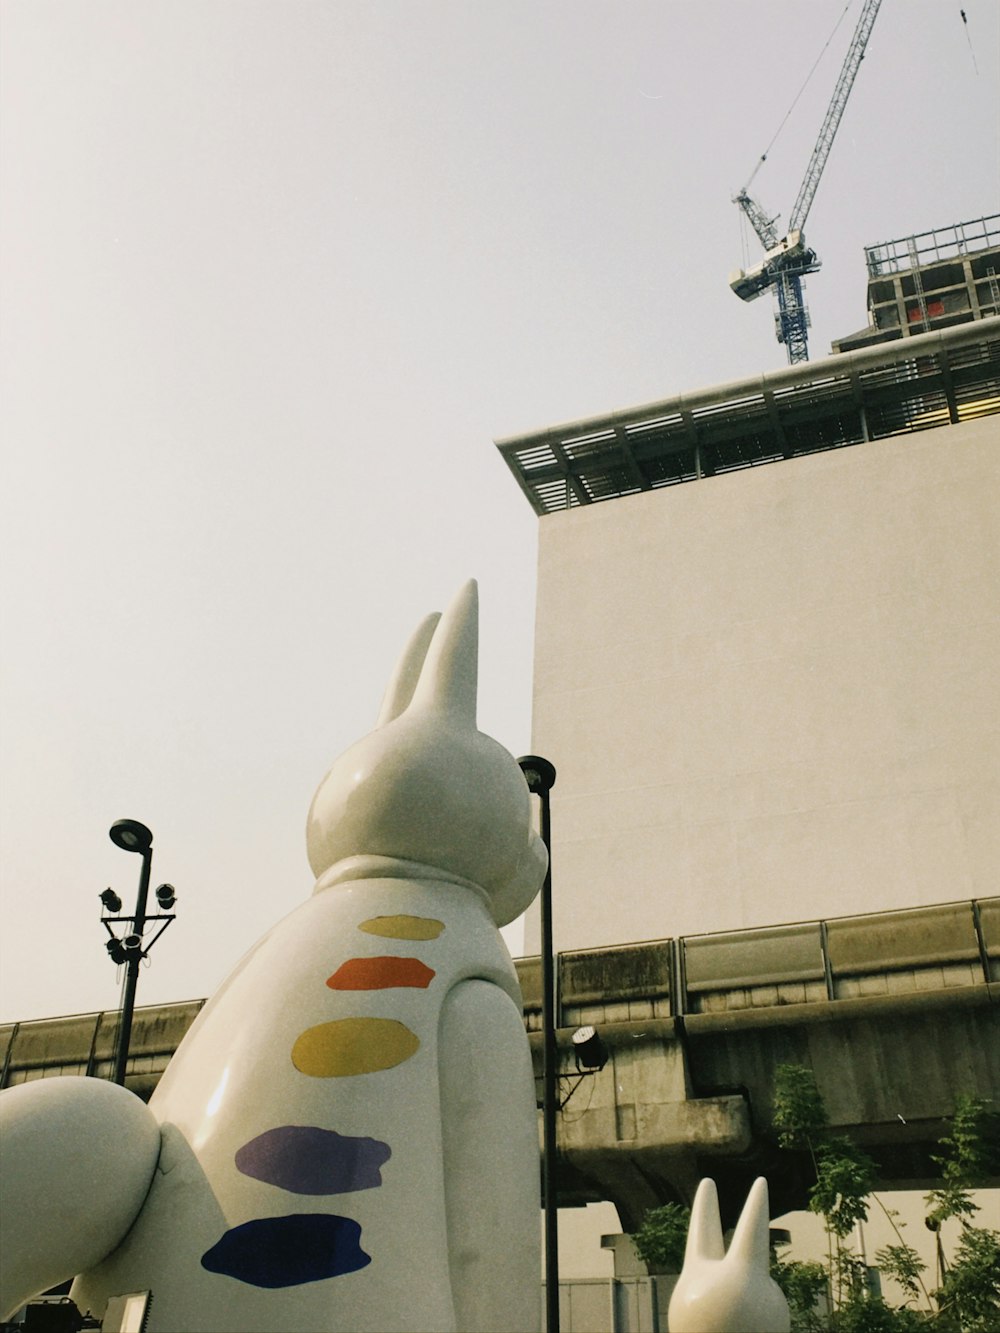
x: 110, y: 901
x: 131, y: 947
x: 166, y: 896
x: 589, y: 1050
x: 131, y: 836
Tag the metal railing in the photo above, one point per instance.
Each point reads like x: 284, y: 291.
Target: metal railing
x: 944, y: 946
x: 930, y: 247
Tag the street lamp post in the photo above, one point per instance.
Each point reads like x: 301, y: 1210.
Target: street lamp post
x: 540, y: 776
x: 131, y: 836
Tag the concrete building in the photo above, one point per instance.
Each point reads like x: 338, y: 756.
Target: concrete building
x: 768, y: 642
x: 933, y: 280
x: 767, y: 646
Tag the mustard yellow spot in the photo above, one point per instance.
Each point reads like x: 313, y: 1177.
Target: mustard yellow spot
x: 403, y: 927
x: 353, y: 1046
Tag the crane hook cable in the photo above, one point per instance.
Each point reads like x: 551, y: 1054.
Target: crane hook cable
x: 969, y: 40
x: 763, y: 157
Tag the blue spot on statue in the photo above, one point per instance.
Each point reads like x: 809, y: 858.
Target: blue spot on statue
x: 287, y: 1251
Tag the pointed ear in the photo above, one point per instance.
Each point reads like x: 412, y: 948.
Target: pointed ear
x: 403, y: 681
x: 749, y: 1247
x: 448, y: 680
x: 705, y: 1231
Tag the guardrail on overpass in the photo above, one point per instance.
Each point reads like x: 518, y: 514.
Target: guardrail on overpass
x: 698, y: 977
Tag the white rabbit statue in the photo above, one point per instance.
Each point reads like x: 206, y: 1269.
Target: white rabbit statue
x: 346, y: 1138
x: 722, y: 1291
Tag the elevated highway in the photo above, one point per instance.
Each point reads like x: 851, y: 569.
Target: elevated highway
x: 896, y: 1013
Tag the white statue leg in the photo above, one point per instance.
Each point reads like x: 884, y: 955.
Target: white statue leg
x: 77, y: 1156
x: 490, y: 1138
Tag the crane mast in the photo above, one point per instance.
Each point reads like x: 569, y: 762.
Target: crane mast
x: 787, y: 259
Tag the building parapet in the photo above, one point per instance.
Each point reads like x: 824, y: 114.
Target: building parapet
x: 873, y: 393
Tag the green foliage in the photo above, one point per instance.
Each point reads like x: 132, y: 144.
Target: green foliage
x: 845, y: 1176
x: 871, y: 1314
x: 660, y: 1241
x: 903, y: 1264
x: 799, y: 1113
x: 968, y: 1300
x: 969, y: 1295
x: 804, y: 1285
x: 969, y: 1156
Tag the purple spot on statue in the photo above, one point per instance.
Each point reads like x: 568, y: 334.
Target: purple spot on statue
x: 308, y: 1160
x: 287, y: 1251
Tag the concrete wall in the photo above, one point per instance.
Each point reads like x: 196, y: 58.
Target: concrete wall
x: 772, y: 695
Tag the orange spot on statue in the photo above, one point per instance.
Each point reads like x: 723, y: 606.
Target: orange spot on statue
x: 380, y: 974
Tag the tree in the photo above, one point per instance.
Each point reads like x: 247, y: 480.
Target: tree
x: 969, y: 1295
x: 968, y: 1300
x: 660, y: 1240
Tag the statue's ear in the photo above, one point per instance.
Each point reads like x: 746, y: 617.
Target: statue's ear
x: 704, y: 1239
x: 449, y: 677
x: 750, y: 1247
x: 403, y: 680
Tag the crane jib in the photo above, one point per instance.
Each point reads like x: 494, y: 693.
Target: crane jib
x: 787, y: 258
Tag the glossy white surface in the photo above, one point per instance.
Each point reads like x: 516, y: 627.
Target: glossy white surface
x: 426, y: 785
x: 381, y: 1021
x: 722, y: 1291
x: 76, y: 1159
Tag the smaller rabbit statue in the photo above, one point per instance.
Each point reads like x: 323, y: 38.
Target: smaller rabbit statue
x: 728, y: 1291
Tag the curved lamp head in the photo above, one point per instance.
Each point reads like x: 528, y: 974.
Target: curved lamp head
x: 539, y: 773
x: 130, y: 835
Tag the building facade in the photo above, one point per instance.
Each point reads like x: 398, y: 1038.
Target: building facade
x: 770, y: 694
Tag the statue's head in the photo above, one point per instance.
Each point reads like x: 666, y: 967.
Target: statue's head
x: 728, y: 1291
x: 426, y: 785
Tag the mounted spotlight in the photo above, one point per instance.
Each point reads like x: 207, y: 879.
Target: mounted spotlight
x: 590, y: 1051
x: 166, y: 896
x: 132, y: 943
x: 116, y: 950
x: 110, y: 901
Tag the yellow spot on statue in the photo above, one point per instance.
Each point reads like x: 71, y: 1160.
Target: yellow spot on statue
x: 403, y: 927
x: 353, y: 1046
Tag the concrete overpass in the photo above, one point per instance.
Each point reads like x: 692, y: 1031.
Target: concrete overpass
x: 894, y: 1012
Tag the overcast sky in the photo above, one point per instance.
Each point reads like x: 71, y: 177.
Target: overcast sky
x: 275, y: 275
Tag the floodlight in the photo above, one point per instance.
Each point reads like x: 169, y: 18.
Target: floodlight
x: 166, y: 896
x: 115, y: 949
x: 111, y: 901
x: 590, y: 1051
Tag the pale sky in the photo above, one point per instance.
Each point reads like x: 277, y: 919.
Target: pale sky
x: 275, y: 275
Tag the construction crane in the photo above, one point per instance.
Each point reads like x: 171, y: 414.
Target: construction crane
x: 787, y: 259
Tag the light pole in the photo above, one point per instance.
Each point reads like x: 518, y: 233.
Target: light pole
x: 540, y: 776
x: 131, y: 836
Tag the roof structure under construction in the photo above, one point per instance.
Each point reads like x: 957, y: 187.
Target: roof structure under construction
x: 933, y: 280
